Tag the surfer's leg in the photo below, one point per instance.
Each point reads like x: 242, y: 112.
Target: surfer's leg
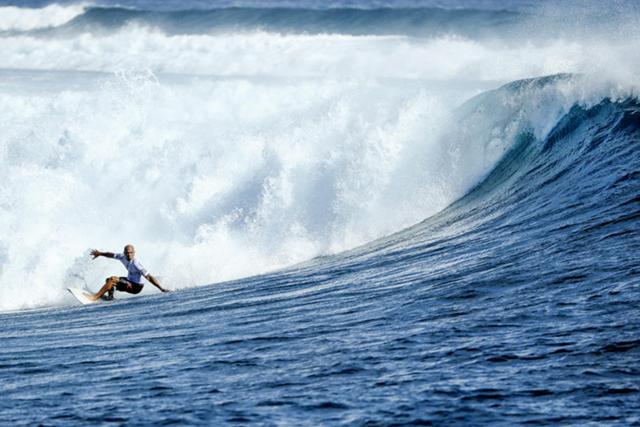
x: 110, y: 283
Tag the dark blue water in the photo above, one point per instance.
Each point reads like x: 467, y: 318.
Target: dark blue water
x: 518, y: 304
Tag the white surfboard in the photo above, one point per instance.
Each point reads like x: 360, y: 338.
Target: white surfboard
x: 82, y: 296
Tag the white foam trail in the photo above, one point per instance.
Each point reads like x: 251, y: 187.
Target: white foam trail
x: 24, y: 19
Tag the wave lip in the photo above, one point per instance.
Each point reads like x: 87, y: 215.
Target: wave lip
x: 14, y: 18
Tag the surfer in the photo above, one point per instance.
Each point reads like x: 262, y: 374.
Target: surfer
x: 133, y: 282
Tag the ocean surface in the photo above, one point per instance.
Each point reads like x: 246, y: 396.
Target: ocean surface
x: 370, y: 213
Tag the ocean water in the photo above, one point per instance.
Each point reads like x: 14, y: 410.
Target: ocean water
x: 369, y: 213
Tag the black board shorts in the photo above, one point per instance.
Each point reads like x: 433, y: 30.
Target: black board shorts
x: 126, y: 285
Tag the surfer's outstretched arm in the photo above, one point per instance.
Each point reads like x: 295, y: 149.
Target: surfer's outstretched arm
x: 155, y: 282
x: 96, y: 253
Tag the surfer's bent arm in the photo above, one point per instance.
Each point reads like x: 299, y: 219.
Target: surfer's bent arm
x: 154, y: 282
x: 96, y: 253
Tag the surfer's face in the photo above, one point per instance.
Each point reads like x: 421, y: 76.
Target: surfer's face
x: 129, y: 252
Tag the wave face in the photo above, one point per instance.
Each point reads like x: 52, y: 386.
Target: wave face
x: 369, y: 216
x: 522, y: 294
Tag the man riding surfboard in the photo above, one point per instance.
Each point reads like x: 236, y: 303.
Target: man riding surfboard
x: 133, y: 282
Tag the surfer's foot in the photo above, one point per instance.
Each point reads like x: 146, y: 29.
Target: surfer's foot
x: 108, y: 296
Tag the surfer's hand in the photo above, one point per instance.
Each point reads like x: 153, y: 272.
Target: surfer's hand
x: 164, y: 290
x: 95, y: 253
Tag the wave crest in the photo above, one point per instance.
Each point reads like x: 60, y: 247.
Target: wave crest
x: 26, y: 19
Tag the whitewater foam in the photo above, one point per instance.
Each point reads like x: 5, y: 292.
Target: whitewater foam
x: 24, y: 19
x: 215, y: 180
x: 446, y: 58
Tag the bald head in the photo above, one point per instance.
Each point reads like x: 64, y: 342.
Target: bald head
x: 129, y: 252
